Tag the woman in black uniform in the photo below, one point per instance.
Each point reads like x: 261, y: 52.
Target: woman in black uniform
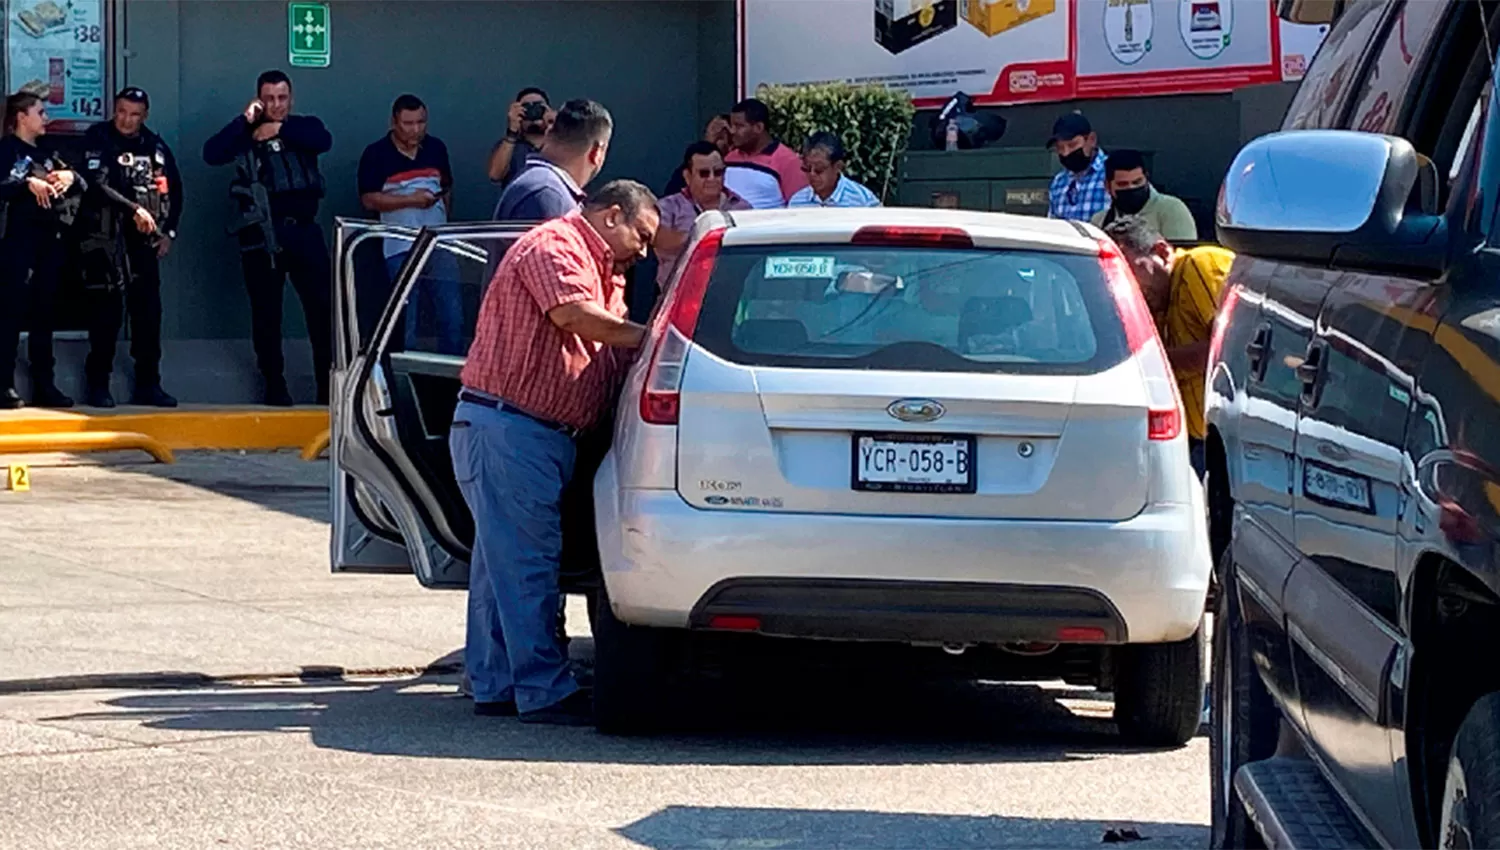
x: 33, y: 187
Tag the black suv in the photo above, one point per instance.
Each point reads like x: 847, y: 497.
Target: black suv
x: 1354, y: 445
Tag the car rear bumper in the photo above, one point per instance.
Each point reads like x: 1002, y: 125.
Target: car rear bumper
x: 668, y: 564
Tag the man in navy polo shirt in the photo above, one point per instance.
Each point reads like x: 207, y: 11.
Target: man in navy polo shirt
x: 406, y: 178
x: 552, y: 184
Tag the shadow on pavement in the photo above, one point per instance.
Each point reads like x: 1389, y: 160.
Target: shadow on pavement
x: 699, y: 828
x: 799, y: 721
x: 279, y: 481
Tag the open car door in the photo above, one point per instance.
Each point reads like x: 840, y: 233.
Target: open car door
x: 396, y: 502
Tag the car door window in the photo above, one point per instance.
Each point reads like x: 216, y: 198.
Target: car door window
x: 1381, y: 95
x: 1321, y: 98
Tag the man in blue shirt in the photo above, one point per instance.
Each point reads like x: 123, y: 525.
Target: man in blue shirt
x: 552, y: 184
x: 1080, y: 190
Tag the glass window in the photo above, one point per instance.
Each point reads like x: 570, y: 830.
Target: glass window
x: 1386, y: 85
x: 58, y: 49
x: 1326, y: 87
x: 924, y: 309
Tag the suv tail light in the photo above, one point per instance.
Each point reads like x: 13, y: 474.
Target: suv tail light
x: 674, y: 327
x: 1164, y: 411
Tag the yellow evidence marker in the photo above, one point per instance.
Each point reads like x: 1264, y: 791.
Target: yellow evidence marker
x: 18, y: 477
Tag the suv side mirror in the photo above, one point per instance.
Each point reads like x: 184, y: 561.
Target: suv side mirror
x: 1332, y: 198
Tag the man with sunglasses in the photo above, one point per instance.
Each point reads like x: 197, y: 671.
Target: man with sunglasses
x: 127, y: 224
x: 703, y: 189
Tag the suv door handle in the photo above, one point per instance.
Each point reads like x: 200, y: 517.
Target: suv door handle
x: 1256, y: 350
x: 1310, y: 372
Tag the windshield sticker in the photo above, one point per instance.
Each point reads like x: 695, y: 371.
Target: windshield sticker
x: 798, y: 267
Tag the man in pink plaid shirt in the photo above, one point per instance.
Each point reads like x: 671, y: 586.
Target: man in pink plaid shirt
x: 550, y: 349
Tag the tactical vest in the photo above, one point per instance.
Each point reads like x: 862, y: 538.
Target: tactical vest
x: 285, y: 169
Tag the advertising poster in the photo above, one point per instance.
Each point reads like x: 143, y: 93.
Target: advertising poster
x: 1015, y: 51
x: 58, y: 46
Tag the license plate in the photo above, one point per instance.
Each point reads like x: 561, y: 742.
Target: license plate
x: 914, y: 463
x: 1336, y: 488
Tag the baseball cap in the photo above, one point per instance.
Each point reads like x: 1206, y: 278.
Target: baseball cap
x: 135, y: 94
x: 1069, y: 126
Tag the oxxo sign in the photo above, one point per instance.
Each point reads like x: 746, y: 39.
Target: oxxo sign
x: 309, y: 42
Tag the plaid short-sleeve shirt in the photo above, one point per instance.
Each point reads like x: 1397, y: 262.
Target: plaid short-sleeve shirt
x: 1078, y: 196
x: 519, y: 354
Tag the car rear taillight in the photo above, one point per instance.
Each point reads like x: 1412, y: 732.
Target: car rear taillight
x: 1164, y: 412
x: 914, y: 237
x: 674, y: 328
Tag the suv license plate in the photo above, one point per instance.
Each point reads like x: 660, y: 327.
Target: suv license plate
x: 914, y: 463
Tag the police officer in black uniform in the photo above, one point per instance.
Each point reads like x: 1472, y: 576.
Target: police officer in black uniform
x: 127, y: 225
x: 39, y: 197
x: 278, y: 187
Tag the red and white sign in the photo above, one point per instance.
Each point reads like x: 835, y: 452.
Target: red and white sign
x: 1019, y: 51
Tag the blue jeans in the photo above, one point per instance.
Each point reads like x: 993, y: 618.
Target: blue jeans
x: 439, y: 287
x: 512, y: 471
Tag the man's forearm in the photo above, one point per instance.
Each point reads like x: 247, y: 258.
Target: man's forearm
x: 594, y: 323
x: 500, y: 158
x: 385, y: 201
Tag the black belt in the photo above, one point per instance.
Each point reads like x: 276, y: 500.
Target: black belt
x: 497, y: 404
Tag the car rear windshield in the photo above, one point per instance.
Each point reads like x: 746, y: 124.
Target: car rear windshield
x: 909, y: 308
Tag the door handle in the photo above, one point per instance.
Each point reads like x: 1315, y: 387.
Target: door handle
x: 1256, y: 350
x: 1310, y: 372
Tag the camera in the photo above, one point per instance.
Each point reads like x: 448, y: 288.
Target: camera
x: 533, y: 111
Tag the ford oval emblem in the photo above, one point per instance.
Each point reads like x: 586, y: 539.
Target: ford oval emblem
x: 916, y: 410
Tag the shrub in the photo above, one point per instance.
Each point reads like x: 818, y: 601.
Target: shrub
x: 872, y: 121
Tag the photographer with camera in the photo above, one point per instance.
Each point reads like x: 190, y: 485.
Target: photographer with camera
x: 527, y: 123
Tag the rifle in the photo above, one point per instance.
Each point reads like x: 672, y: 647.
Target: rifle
x: 256, y: 203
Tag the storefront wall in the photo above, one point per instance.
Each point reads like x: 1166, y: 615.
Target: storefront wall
x: 199, y: 61
x: 661, y: 68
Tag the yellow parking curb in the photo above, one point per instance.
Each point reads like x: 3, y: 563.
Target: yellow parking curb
x: 316, y: 446
x: 85, y: 441
x: 198, y: 427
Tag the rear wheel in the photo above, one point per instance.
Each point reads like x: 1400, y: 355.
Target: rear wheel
x: 632, y: 671
x: 1159, y: 691
x: 1471, y: 788
x: 1244, y: 721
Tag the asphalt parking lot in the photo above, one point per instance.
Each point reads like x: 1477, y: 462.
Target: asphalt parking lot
x: 180, y: 670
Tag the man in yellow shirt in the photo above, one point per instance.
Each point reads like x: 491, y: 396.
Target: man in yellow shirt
x: 1183, y: 290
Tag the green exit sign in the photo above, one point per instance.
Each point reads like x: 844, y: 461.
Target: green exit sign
x: 309, y: 42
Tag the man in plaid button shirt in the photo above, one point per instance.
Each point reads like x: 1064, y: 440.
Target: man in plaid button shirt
x: 550, y: 350
x: 1080, y: 190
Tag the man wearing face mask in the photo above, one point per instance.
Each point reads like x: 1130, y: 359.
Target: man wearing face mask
x: 1078, y: 191
x: 1131, y: 193
x: 550, y: 352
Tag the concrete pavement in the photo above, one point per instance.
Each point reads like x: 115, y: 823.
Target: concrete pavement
x: 124, y: 583
x: 215, y: 565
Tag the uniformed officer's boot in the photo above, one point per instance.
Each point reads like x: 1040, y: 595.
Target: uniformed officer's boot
x: 277, y: 394
x: 152, y: 396
x: 48, y: 395
x: 98, y: 395
x: 10, y: 400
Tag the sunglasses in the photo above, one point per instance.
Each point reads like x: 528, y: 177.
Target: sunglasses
x: 705, y: 173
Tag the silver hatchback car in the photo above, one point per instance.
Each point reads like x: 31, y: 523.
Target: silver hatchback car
x: 919, y: 427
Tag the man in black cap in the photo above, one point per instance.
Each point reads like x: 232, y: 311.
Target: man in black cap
x: 127, y: 224
x: 1080, y: 190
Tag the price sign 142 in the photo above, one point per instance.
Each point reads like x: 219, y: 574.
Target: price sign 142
x: 89, y: 107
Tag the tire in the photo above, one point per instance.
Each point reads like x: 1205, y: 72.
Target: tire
x: 1159, y: 691
x: 1470, y: 813
x: 1244, y: 721
x: 632, y: 672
